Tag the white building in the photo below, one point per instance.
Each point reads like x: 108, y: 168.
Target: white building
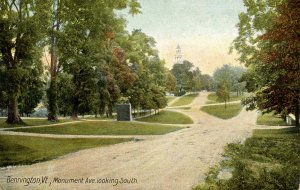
x: 178, y: 56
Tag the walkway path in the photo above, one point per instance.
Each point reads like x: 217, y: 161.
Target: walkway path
x: 175, y: 161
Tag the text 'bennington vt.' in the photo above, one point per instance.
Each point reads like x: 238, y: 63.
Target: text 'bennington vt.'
x: 56, y: 180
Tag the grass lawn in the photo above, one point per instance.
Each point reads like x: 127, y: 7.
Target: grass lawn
x: 271, y: 120
x: 103, y: 128
x: 31, y: 122
x: 180, y: 108
x: 20, y: 150
x: 213, y: 98
x: 185, y: 100
x: 99, y: 118
x: 170, y: 98
x: 268, y: 160
x: 169, y: 117
x: 232, y: 110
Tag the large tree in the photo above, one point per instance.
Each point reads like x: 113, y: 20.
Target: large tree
x: 183, y: 73
x: 22, y: 25
x: 228, y: 78
x: 272, y: 54
x: 95, y: 16
x: 144, y: 61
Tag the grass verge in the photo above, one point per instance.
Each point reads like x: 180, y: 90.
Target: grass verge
x: 21, y: 150
x: 170, y: 98
x: 103, y: 128
x: 180, y: 108
x: 231, y: 110
x: 270, y: 120
x: 185, y: 100
x: 213, y: 98
x: 168, y: 117
x: 31, y: 122
x: 268, y: 160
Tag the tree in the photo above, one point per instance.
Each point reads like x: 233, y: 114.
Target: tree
x: 170, y: 81
x: 33, y: 91
x: 223, y: 93
x: 22, y: 25
x: 197, y: 82
x: 53, y: 35
x: 159, y: 98
x: 143, y: 59
x: 83, y: 47
x: 183, y: 73
x: 229, y: 77
x: 65, y: 90
x: 273, y: 55
x: 208, y: 83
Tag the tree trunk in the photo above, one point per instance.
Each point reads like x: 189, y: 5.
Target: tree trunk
x: 52, y: 91
x: 52, y: 100
x: 13, y: 111
x: 75, y: 114
x: 225, y: 104
x: 110, y: 111
x: 297, y: 112
x: 75, y: 110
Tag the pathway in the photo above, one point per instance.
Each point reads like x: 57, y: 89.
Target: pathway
x: 177, y: 160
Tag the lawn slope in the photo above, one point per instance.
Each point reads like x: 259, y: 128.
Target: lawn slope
x: 168, y: 117
x: 220, y: 111
x: 20, y: 150
x: 103, y: 128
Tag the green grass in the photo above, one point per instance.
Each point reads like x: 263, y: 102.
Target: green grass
x: 271, y: 120
x: 99, y: 118
x: 185, y: 100
x: 170, y: 98
x: 31, y: 122
x: 268, y: 160
x: 180, y: 108
x: 169, y: 117
x: 213, y: 98
x: 103, y: 128
x: 20, y: 150
x: 219, y: 111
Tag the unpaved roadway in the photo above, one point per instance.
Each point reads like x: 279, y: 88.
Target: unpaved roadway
x: 175, y: 161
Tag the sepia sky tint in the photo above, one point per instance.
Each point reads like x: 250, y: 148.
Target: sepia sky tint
x: 203, y: 28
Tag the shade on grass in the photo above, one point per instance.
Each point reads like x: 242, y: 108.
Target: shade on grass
x: 213, y: 98
x: 268, y: 160
x: 170, y: 98
x: 185, y: 100
x: 232, y: 110
x: 31, y: 122
x: 180, y: 108
x: 271, y: 120
x: 169, y: 117
x: 103, y: 128
x: 17, y: 150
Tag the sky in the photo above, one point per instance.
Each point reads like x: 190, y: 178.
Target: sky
x: 203, y: 28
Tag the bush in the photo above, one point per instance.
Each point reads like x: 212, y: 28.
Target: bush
x: 269, y: 160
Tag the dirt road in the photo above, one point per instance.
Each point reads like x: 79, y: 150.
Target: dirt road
x: 178, y: 160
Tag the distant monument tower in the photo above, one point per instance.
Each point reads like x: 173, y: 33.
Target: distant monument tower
x: 178, y: 56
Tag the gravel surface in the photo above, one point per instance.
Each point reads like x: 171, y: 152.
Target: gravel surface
x: 175, y: 161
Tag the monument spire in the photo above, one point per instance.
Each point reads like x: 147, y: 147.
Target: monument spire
x: 178, y: 56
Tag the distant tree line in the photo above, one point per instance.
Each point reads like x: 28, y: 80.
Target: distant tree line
x: 190, y: 79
